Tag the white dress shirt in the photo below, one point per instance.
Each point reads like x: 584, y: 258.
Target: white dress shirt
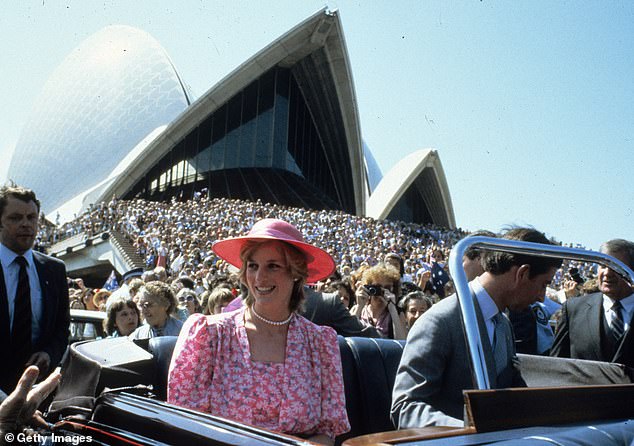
x: 628, y: 309
x: 487, y: 306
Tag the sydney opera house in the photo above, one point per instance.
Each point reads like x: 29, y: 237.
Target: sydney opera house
x: 115, y: 119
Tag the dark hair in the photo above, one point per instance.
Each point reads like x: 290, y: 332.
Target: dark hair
x: 186, y: 282
x: 619, y: 246
x: 415, y: 295
x: 498, y: 262
x: 472, y: 252
x: 19, y: 192
x: 109, y: 323
x: 409, y: 287
x: 401, y: 264
x: 345, y: 284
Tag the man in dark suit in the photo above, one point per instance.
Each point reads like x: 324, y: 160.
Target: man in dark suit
x: 34, y: 315
x: 434, y: 368
x: 327, y: 309
x: 597, y: 326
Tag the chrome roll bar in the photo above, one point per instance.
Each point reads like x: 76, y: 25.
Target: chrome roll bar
x: 470, y: 322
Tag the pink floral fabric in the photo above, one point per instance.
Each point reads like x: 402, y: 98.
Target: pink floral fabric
x: 212, y: 371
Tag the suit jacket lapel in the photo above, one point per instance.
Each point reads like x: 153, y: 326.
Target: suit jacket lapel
x: 486, y: 345
x: 4, y: 312
x: 46, y: 295
x: 593, y: 315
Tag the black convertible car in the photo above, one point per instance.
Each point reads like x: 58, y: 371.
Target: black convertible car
x: 113, y: 392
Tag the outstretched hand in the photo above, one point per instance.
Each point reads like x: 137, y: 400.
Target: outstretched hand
x: 20, y: 407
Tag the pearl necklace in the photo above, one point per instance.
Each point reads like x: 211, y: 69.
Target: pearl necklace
x: 270, y: 322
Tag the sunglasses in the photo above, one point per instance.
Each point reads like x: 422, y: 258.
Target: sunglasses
x: 189, y: 298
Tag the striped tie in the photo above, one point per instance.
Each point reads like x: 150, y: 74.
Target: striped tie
x: 500, y: 353
x: 618, y: 327
x: 21, y: 332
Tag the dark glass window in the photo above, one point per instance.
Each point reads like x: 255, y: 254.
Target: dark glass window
x: 218, y: 139
x: 174, y: 173
x: 249, y: 127
x: 203, y: 159
x: 191, y: 149
x: 270, y: 124
x: 233, y: 132
x: 411, y: 207
x: 264, y: 137
x: 280, y: 127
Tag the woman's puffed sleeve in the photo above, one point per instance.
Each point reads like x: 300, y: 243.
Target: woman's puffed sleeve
x: 191, y: 369
x: 334, y: 418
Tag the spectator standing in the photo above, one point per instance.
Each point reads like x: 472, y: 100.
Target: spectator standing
x: 598, y: 326
x: 34, y: 314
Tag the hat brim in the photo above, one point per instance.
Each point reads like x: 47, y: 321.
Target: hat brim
x: 319, y: 263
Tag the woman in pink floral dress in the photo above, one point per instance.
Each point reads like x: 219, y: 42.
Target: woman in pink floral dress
x: 264, y: 364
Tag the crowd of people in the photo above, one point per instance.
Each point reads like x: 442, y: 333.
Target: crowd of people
x: 175, y: 240
x: 261, y: 280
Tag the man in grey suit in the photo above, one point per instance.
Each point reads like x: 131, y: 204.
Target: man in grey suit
x: 434, y: 368
x: 597, y: 326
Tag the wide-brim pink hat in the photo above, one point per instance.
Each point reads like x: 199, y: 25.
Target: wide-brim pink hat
x: 320, y: 264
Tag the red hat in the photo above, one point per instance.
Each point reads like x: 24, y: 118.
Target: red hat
x: 320, y: 264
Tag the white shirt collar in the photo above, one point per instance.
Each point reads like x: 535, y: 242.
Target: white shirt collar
x: 7, y: 256
x: 627, y: 302
x: 487, y: 304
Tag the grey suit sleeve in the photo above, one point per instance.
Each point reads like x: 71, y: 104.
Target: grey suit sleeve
x: 419, y: 380
x: 561, y: 344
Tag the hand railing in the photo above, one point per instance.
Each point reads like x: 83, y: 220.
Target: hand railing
x: 470, y: 322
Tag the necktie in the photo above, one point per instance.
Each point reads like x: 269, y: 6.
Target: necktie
x: 21, y: 332
x: 618, y: 327
x: 500, y: 354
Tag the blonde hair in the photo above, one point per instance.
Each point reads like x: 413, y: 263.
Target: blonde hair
x: 101, y: 295
x: 295, y: 262
x: 380, y: 272
x: 159, y: 292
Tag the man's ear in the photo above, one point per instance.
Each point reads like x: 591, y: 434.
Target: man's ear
x: 523, y: 273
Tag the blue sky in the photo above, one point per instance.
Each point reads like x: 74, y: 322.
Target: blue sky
x: 529, y: 104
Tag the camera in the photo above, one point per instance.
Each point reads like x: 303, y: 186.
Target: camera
x: 374, y: 290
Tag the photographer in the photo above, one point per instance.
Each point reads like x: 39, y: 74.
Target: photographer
x: 377, y: 292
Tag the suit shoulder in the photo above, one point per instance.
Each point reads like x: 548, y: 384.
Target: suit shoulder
x: 311, y: 295
x: 45, y: 258
x: 581, y: 301
x: 445, y: 306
